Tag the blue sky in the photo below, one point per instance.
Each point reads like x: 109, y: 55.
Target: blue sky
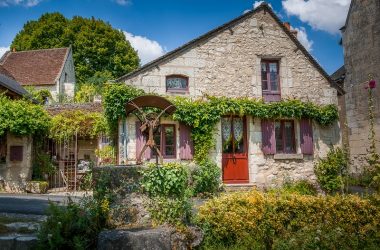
x: 155, y: 27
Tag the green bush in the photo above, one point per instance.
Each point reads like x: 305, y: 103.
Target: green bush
x: 169, y: 193
x: 331, y: 170
x: 75, y: 226
x: 42, y: 165
x: 290, y: 221
x: 302, y: 187
x: 206, y: 178
x: 172, y: 211
x: 86, y: 93
x: 168, y: 180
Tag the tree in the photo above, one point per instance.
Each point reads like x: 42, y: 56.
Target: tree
x: 97, y: 47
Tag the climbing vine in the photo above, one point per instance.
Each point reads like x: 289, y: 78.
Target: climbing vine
x: 82, y: 123
x: 21, y: 117
x: 115, y: 96
x: 203, y: 114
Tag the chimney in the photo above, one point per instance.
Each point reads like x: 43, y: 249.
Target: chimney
x: 287, y: 25
x: 293, y: 32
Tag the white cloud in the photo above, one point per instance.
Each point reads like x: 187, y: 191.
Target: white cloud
x: 257, y: 4
x: 304, y: 40
x: 3, y: 50
x: 123, y: 2
x: 147, y: 49
x: 326, y: 15
x: 25, y: 3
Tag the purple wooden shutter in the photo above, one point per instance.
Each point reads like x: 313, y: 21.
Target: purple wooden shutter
x: 186, y: 147
x: 306, y: 136
x: 140, y: 142
x: 268, y: 138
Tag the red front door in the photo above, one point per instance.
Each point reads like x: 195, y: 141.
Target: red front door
x: 235, y: 148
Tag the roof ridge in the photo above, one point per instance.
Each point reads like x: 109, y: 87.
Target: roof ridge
x: 34, y: 50
x: 63, y: 63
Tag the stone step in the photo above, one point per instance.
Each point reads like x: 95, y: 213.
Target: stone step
x: 18, y: 242
x: 239, y: 187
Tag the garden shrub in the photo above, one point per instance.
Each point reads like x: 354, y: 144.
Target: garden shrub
x: 255, y: 220
x: 331, y: 170
x: 75, y: 226
x: 86, y: 93
x: 169, y: 193
x: 206, y: 178
x: 302, y: 187
x: 167, y: 180
x: 175, y: 211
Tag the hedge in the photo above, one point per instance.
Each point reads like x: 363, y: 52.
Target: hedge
x: 289, y: 221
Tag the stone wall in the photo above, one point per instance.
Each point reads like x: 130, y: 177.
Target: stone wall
x: 68, y: 87
x: 228, y: 64
x: 361, y: 42
x: 14, y: 174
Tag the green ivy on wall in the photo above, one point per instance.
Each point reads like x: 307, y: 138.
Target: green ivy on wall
x: 84, y: 124
x: 115, y: 96
x: 21, y: 117
x: 203, y: 114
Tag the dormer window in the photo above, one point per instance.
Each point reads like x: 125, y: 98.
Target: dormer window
x: 177, y: 83
x: 270, y: 81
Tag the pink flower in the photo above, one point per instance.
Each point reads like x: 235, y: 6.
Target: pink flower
x: 372, y: 84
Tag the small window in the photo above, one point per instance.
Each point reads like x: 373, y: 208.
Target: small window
x: 15, y: 153
x: 285, y: 138
x: 66, y: 78
x: 165, y: 139
x: 270, y: 81
x: 177, y: 83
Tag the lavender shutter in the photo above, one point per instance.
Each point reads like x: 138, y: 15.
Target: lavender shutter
x: 140, y: 142
x: 186, y: 147
x: 268, y: 138
x: 306, y: 135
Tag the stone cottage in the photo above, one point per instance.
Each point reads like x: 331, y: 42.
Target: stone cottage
x: 51, y: 69
x: 361, y: 44
x: 257, y: 56
x: 15, y: 151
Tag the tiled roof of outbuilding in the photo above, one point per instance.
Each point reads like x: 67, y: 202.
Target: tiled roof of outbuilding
x: 35, y: 67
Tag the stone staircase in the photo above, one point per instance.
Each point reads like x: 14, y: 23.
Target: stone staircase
x: 19, y: 231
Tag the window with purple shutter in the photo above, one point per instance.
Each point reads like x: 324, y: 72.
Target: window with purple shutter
x: 140, y: 142
x: 268, y: 137
x: 306, y: 136
x: 270, y: 81
x: 186, y: 147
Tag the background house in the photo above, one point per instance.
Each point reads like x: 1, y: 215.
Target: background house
x: 361, y: 43
x: 257, y: 56
x: 51, y: 69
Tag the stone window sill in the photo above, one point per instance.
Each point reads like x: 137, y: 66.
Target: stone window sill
x: 288, y: 156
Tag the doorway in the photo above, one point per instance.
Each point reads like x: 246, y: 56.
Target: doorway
x: 234, y: 149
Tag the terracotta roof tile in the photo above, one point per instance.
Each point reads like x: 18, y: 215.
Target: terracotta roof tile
x: 5, y: 72
x: 35, y: 67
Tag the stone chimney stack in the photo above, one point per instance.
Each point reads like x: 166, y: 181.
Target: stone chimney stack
x: 294, y: 32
